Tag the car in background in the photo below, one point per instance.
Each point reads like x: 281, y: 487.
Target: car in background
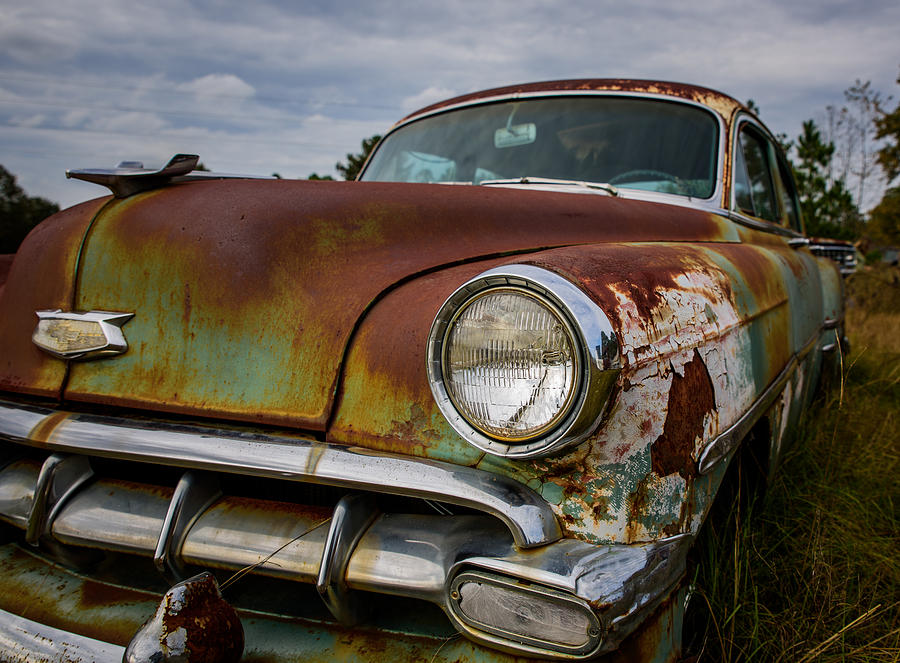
x: 841, y: 252
x: 492, y: 388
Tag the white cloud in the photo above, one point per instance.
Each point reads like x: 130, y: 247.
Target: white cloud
x: 28, y: 121
x: 219, y: 85
x: 293, y: 87
x: 75, y: 118
x: 427, y: 96
x: 139, y: 124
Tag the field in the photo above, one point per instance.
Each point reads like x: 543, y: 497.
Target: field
x: 810, y: 571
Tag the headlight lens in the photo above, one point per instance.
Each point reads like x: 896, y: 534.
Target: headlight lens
x: 522, y: 362
x: 511, y: 364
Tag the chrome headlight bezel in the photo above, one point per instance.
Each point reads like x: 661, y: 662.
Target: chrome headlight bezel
x: 596, y: 347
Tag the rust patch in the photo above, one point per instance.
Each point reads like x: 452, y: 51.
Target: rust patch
x: 724, y: 104
x: 186, y: 308
x: 600, y: 507
x: 637, y: 506
x: 656, y: 640
x: 651, y: 272
x: 691, y: 398
x: 97, y: 595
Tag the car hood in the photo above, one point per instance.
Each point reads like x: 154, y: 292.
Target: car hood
x: 246, y: 294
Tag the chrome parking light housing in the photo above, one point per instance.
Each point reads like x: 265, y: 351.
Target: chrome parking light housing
x: 523, y: 617
x: 521, y: 362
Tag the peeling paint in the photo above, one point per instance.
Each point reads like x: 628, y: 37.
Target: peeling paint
x: 691, y: 398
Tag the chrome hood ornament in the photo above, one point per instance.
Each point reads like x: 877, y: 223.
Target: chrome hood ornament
x: 81, y: 336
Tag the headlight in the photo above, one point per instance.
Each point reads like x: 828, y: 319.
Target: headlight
x: 521, y: 362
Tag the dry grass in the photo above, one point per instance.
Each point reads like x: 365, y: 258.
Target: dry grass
x: 813, y: 571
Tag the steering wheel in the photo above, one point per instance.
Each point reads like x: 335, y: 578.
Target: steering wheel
x: 630, y: 175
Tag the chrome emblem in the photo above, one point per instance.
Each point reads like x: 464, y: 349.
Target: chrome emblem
x: 82, y: 336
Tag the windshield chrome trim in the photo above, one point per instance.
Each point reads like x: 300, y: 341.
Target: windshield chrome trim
x: 529, y: 517
x: 716, y: 197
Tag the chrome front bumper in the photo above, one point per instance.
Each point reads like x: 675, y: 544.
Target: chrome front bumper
x: 345, y: 551
x: 26, y: 640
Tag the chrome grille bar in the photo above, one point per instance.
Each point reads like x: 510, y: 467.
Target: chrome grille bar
x: 415, y: 556
x: 236, y: 532
x: 528, y: 517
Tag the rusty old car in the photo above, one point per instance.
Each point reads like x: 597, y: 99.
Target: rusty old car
x: 490, y: 389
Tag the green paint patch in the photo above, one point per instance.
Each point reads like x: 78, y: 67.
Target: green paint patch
x: 552, y: 492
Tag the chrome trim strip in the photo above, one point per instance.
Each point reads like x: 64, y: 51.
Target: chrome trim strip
x: 600, y: 359
x: 756, y: 224
x: 26, y: 640
x: 528, y: 517
x: 237, y: 535
x: 114, y: 515
x: 719, y: 447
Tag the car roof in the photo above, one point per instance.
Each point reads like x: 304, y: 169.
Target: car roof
x: 717, y: 101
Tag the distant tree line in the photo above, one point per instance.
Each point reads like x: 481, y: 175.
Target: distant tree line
x: 835, y: 165
x: 355, y: 162
x: 19, y: 212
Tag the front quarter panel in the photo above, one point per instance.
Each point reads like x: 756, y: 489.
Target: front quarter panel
x: 703, y: 328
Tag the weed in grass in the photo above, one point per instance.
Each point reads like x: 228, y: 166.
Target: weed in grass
x: 811, y: 570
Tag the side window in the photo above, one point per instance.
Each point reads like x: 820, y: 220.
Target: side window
x: 754, y: 187
x: 742, y: 196
x: 789, y: 199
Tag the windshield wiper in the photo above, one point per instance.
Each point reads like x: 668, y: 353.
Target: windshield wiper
x: 602, y: 186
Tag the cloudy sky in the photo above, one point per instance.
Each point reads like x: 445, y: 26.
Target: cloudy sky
x: 291, y: 87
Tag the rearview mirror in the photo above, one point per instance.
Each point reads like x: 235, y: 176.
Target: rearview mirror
x: 517, y: 134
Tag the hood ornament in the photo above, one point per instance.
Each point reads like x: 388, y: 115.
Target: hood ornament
x: 81, y: 336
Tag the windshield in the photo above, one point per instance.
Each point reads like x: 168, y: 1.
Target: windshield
x: 645, y: 144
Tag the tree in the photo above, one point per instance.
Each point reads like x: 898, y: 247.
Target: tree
x: 19, y: 212
x: 355, y: 161
x: 858, y: 135
x: 884, y: 219
x: 316, y: 176
x: 888, y: 128
x: 828, y: 206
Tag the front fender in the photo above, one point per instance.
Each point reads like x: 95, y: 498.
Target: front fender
x: 703, y: 330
